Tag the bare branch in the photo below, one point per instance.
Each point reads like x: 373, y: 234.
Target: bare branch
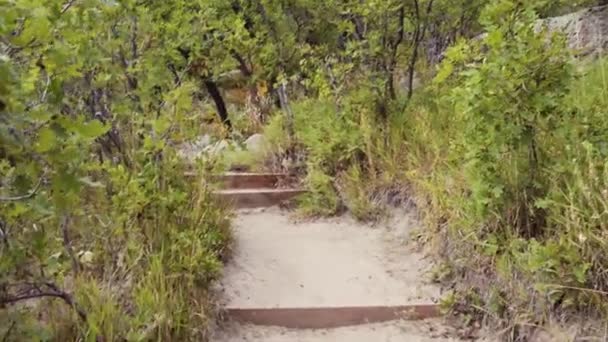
x: 15, y: 299
x: 394, y: 46
x: 4, y: 233
x: 46, y: 88
x: 53, y: 292
x: 26, y: 196
x: 9, y: 331
x: 67, y: 6
x: 67, y: 243
x: 245, y: 70
x: 419, y: 33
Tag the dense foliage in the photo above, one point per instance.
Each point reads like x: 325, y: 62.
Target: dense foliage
x: 102, y: 236
x: 501, y: 138
x: 522, y: 174
x: 504, y: 150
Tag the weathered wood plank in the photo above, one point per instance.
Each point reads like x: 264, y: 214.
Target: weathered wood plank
x: 330, y: 317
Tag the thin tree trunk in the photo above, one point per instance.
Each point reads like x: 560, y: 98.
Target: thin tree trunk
x: 251, y: 87
x: 395, y: 48
x: 289, y: 122
x: 418, y: 36
x: 220, y: 105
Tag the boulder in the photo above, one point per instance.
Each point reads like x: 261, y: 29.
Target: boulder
x: 204, y: 146
x: 217, y: 148
x: 586, y: 30
x: 202, y: 141
x: 255, y: 143
x: 191, y: 150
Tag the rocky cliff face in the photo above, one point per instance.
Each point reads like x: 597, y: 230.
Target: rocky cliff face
x: 587, y: 30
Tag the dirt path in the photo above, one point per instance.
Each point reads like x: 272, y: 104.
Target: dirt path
x: 398, y: 331
x: 279, y: 263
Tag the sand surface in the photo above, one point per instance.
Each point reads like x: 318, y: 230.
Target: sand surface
x: 282, y: 263
x: 399, y: 331
x: 330, y: 262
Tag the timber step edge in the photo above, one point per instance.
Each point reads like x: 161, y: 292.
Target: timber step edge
x: 247, y: 180
x: 257, y: 198
x: 330, y: 317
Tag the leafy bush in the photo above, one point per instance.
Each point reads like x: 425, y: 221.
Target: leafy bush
x: 510, y: 163
x: 101, y: 235
x: 358, y: 195
x: 332, y: 142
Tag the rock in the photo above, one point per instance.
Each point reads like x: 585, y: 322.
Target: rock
x: 202, y: 141
x: 586, y: 30
x: 192, y: 150
x: 202, y: 146
x: 217, y: 148
x: 255, y: 143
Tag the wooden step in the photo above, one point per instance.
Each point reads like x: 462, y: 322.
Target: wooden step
x: 257, y: 198
x: 330, y: 317
x: 248, y: 180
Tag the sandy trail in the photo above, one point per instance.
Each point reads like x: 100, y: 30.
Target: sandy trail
x: 399, y: 331
x: 329, y: 262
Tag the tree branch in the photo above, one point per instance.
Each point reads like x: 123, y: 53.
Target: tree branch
x: 67, y: 243
x: 67, y: 6
x: 418, y: 36
x: 4, y: 233
x: 8, y: 331
x: 393, y: 56
x: 26, y: 196
x: 53, y: 292
x: 245, y: 70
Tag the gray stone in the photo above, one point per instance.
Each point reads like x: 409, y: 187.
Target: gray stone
x: 192, y: 150
x: 586, y: 30
x: 202, y: 141
x: 255, y: 143
x: 217, y: 148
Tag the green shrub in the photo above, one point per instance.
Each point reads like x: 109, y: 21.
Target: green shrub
x: 102, y: 237
x: 325, y: 139
x: 358, y: 194
x: 509, y: 162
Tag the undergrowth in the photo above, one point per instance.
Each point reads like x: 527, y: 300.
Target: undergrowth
x: 140, y: 270
x: 509, y: 166
x: 333, y: 148
x: 102, y: 236
x: 505, y: 153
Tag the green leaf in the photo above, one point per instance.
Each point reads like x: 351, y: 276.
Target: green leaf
x: 91, y: 183
x: 161, y: 125
x: 580, y: 272
x: 47, y: 140
x: 92, y: 129
x: 444, y: 72
x: 66, y: 181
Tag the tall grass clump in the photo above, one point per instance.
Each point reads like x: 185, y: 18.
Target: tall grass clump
x: 336, y: 141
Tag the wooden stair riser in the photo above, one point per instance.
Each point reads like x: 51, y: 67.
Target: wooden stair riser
x: 247, y: 180
x: 331, y: 317
x: 257, y: 199
x: 250, y: 180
